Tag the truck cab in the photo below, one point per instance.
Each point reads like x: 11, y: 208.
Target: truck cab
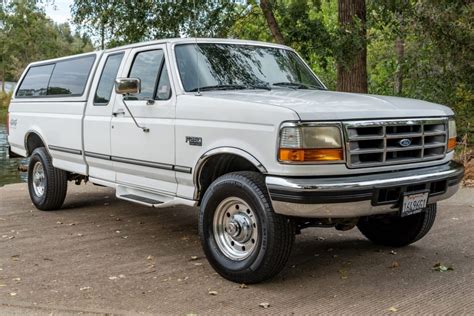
x: 243, y: 130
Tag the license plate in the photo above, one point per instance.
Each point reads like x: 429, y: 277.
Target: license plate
x: 414, y: 203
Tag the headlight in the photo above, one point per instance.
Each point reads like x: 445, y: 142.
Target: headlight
x: 452, y: 134
x: 310, y: 144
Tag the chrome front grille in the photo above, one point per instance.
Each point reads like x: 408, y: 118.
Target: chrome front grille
x: 391, y: 142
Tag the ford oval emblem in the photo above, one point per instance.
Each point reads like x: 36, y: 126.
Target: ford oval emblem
x: 405, y: 142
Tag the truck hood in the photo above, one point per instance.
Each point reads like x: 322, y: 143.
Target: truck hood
x: 330, y: 105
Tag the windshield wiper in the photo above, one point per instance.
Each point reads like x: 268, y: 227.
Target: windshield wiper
x: 232, y: 87
x: 260, y: 86
x: 296, y: 85
x: 220, y: 87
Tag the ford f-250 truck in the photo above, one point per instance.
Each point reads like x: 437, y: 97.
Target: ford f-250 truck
x: 244, y: 130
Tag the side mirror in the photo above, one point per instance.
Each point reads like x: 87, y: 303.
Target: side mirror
x: 127, y: 85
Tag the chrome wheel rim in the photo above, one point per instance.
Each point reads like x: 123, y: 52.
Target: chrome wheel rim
x: 39, y: 181
x: 235, y: 228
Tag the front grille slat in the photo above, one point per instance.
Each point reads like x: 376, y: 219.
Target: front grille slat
x: 392, y: 149
x: 392, y: 136
x: 367, y: 151
x: 390, y: 142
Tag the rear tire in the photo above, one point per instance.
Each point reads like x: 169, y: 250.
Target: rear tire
x: 47, y: 185
x: 395, y: 231
x: 243, y: 238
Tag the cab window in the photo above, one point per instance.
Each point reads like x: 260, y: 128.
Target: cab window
x: 69, y: 77
x: 107, y: 79
x: 146, y: 66
x: 150, y: 68
x: 35, y: 83
x: 163, y: 91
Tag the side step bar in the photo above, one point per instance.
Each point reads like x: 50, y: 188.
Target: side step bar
x: 151, y: 199
x: 140, y: 199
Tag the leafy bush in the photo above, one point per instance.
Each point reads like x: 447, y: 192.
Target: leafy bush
x: 5, y: 98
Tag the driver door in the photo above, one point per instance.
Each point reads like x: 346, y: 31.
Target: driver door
x: 146, y: 160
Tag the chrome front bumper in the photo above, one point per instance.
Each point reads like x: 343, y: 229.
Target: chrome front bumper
x: 360, y: 195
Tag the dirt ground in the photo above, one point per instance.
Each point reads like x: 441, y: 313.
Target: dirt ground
x: 100, y: 255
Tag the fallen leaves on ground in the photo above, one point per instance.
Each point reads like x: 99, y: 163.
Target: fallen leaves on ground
x: 393, y: 252
x: 441, y: 267
x: 194, y: 257
x: 213, y: 293
x: 343, y: 274
x: 395, y: 265
x: 392, y: 309
x: 264, y: 305
x: 120, y: 276
x: 85, y: 288
x: 243, y: 286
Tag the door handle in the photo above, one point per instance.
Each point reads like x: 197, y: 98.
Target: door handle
x: 119, y: 112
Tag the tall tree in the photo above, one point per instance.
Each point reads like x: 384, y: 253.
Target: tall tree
x: 122, y: 22
x: 267, y: 10
x: 28, y: 35
x: 352, y: 61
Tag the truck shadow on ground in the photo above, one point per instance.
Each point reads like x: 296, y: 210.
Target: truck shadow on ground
x: 317, y: 252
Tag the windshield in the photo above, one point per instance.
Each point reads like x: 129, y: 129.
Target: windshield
x: 231, y: 66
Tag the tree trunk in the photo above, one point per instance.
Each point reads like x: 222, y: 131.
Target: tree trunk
x: 102, y: 35
x: 400, y: 53
x: 3, y: 76
x: 271, y: 21
x: 352, y: 76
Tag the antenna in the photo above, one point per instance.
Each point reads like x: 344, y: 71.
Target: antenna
x: 198, y: 93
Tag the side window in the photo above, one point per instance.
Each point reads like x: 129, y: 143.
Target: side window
x: 163, y: 91
x: 35, y: 82
x: 70, y: 76
x: 107, y: 79
x: 146, y: 66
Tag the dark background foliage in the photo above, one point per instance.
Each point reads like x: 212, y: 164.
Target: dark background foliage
x: 414, y: 48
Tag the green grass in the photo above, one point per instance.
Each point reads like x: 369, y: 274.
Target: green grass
x: 4, y: 101
x: 3, y: 114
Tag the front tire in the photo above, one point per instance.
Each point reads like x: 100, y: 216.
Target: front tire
x: 243, y: 238
x: 47, y: 185
x: 395, y: 231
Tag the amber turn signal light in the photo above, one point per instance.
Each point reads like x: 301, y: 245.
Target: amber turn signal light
x: 451, y: 143
x: 303, y: 155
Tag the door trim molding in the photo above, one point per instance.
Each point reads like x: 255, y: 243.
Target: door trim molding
x: 137, y: 162
x: 65, y: 150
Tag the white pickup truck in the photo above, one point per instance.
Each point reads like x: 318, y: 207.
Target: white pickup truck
x: 243, y: 129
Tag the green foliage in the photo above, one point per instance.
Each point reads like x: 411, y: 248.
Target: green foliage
x: 27, y: 35
x: 435, y: 65
x: 4, y: 100
x: 123, y: 22
x: 307, y: 25
x: 438, y: 52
